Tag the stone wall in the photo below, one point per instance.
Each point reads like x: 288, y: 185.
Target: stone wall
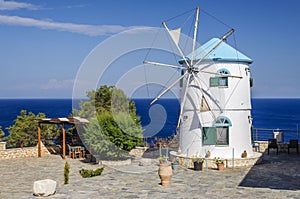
x: 20, y: 152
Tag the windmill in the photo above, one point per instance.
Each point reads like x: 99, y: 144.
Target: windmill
x: 209, y: 105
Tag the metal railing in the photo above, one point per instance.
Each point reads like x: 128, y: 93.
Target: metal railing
x: 263, y: 134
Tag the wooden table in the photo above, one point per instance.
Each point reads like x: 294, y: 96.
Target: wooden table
x: 77, y: 152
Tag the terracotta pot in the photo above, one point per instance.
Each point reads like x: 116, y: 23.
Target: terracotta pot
x: 165, y: 173
x: 244, y: 154
x: 220, y: 167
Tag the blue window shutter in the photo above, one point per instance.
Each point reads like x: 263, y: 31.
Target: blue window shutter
x: 209, y: 135
x: 214, y: 81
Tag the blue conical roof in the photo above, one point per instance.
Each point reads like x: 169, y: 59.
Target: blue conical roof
x: 223, y: 52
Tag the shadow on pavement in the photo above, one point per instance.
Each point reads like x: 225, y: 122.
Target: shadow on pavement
x: 280, y: 172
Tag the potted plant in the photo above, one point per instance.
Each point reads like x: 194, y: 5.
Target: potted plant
x: 165, y: 171
x: 175, y: 164
x: 220, y: 163
x: 163, y: 159
x: 198, y: 163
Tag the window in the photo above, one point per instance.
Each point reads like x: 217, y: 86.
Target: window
x: 220, y: 81
x: 218, y: 134
x: 215, y: 135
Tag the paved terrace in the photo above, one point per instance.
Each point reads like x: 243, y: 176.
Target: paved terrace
x: 277, y: 177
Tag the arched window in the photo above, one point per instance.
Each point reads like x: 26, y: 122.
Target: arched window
x: 222, y: 121
x: 223, y: 71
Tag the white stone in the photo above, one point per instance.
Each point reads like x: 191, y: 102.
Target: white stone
x: 45, y: 187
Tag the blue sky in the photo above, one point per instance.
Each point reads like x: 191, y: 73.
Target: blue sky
x: 43, y: 43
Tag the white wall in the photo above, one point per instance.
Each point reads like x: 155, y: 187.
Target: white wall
x: 233, y: 102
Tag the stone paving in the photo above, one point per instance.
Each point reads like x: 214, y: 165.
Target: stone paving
x: 277, y: 177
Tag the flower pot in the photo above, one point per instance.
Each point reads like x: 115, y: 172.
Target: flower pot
x: 220, y: 167
x: 165, y: 173
x: 175, y: 165
x: 198, y: 166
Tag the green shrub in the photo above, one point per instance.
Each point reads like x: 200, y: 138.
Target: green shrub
x: 87, y: 173
x: 66, y: 173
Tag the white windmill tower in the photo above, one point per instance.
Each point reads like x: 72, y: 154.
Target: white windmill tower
x: 215, y: 110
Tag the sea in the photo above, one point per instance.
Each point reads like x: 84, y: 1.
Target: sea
x: 160, y: 120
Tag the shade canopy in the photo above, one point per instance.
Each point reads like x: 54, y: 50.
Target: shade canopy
x: 61, y: 121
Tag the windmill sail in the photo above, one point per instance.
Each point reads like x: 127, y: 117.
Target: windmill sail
x: 204, y: 105
x: 175, y: 34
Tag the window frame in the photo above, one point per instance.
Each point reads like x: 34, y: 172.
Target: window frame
x: 218, y: 80
x: 210, y: 134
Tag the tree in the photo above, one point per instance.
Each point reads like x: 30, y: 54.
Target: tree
x: 100, y: 143
x: 106, y: 99
x: 115, y: 127
x: 24, y: 130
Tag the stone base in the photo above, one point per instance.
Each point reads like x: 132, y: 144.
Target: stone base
x: 210, y: 163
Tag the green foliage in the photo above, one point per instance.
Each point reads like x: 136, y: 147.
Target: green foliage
x: 66, y: 173
x: 24, y: 130
x: 106, y: 99
x: 219, y: 160
x: 116, y: 127
x: 1, y: 132
x: 86, y: 173
x: 198, y: 159
x: 101, y: 139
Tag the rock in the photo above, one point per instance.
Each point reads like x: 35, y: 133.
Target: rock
x: 45, y: 187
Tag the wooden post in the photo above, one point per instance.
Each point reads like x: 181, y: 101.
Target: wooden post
x: 64, y: 141
x: 39, y: 141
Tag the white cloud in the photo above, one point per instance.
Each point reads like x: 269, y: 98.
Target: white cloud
x: 58, y: 84
x: 13, y: 5
x: 90, y: 30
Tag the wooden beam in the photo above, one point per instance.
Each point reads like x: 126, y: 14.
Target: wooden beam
x: 64, y: 141
x: 39, y: 141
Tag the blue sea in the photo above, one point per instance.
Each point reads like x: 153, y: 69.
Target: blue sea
x: 268, y: 114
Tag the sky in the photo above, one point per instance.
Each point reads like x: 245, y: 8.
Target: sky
x: 44, y: 43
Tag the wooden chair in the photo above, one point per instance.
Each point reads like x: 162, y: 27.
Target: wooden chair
x: 71, y: 151
x: 293, y: 144
x: 82, y: 152
x: 77, y: 151
x: 272, y: 144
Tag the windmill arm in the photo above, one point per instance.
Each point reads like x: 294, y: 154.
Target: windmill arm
x: 167, y: 89
x: 221, y: 74
x: 222, y: 39
x: 198, y: 83
x: 195, y: 34
x: 178, y: 48
x: 161, y: 64
x: 183, y: 101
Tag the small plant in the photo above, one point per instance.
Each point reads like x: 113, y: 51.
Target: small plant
x: 219, y: 161
x: 87, y: 173
x: 66, y: 173
x: 198, y: 159
x: 163, y: 159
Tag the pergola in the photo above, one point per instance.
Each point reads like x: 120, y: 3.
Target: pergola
x: 59, y: 121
